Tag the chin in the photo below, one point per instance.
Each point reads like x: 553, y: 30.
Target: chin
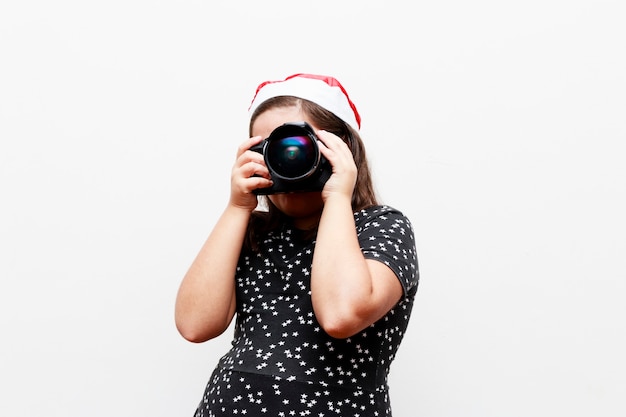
x: 298, y: 204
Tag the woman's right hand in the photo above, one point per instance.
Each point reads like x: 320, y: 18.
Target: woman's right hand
x: 248, y: 173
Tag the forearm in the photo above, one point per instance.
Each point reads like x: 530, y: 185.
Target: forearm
x: 205, y: 303
x: 341, y: 284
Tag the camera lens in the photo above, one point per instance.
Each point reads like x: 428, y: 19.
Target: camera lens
x: 292, y: 157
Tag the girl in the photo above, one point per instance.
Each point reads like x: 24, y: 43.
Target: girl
x: 322, y: 283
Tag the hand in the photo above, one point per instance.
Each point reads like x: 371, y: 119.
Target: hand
x: 344, y: 175
x: 248, y: 173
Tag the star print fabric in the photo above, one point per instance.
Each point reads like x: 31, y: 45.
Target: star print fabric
x: 282, y: 363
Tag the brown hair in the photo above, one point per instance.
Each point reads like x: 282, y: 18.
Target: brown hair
x: 364, y: 194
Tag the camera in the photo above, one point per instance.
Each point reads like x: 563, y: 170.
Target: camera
x: 294, y: 160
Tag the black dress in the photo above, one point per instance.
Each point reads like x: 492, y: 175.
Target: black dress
x: 281, y: 362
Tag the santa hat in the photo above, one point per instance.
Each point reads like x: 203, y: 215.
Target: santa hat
x: 320, y: 89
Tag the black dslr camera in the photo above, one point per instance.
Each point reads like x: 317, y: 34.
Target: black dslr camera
x: 294, y: 160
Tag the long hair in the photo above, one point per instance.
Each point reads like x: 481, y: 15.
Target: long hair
x: 364, y: 194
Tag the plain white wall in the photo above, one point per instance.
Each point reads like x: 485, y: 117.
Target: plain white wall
x: 497, y: 127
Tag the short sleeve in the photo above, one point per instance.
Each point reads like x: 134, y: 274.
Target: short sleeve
x: 386, y: 235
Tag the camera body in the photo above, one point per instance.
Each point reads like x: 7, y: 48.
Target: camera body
x: 294, y: 160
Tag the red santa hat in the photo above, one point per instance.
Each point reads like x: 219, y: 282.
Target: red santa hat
x: 320, y: 89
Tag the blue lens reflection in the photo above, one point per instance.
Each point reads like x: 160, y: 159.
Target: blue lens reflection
x: 292, y: 157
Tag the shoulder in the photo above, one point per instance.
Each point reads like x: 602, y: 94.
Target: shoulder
x: 386, y: 235
x: 381, y: 215
x: 385, y: 229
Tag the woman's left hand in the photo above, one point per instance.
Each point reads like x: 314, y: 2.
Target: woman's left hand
x: 344, y: 170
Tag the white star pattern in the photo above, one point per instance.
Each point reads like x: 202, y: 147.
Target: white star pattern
x: 275, y: 320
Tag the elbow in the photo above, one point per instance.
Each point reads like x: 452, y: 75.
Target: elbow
x: 192, y: 335
x: 198, y: 332
x: 341, y: 325
x: 339, y: 332
x: 196, y: 335
x: 199, y: 325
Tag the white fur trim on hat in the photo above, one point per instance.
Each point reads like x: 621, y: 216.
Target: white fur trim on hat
x: 322, y: 90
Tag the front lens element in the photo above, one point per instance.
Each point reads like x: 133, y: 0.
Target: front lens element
x: 292, y: 157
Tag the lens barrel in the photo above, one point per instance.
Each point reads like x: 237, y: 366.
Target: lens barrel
x: 294, y: 160
x: 292, y: 153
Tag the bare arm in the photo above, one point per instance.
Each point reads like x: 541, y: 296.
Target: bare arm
x: 348, y: 292
x: 205, y: 303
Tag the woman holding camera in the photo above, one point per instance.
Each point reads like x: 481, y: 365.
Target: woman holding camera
x: 321, y: 282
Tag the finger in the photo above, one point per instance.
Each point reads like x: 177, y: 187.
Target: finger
x: 250, y: 173
x: 335, y: 149
x: 247, y: 144
x: 330, y: 140
x: 252, y: 156
x: 255, y: 169
x: 248, y: 156
x: 250, y: 176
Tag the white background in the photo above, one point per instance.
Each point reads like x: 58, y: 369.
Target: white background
x: 498, y: 127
